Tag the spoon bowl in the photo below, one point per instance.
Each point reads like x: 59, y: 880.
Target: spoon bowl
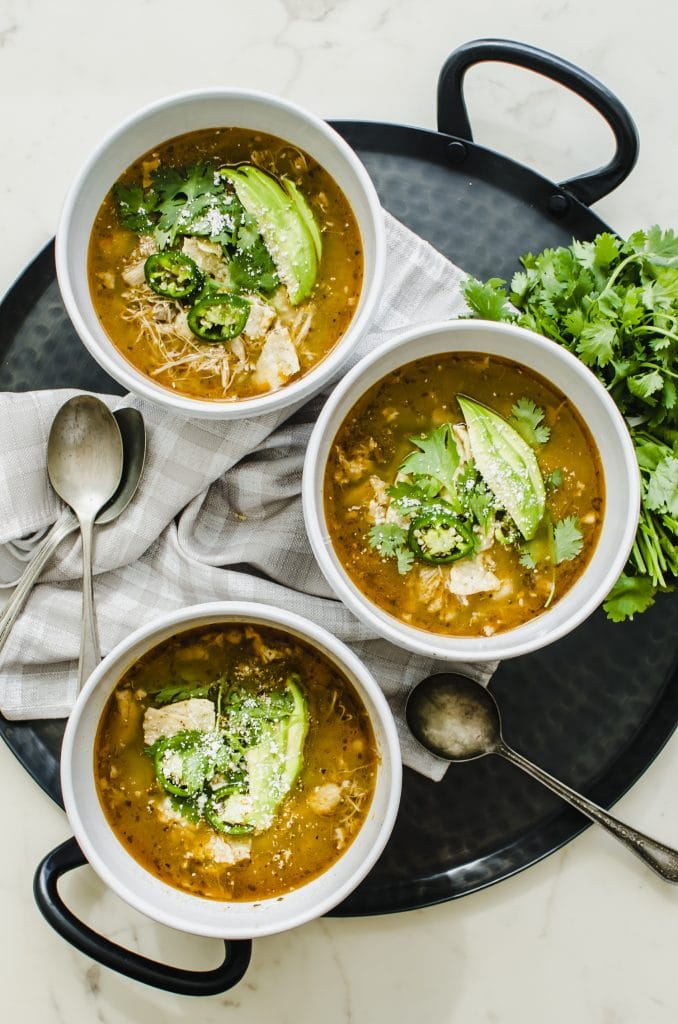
x: 84, y: 464
x: 133, y: 433
x: 454, y: 717
x: 458, y: 719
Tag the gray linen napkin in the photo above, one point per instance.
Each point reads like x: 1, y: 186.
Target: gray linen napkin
x: 217, y: 517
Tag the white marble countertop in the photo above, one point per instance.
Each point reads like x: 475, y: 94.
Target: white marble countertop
x: 588, y: 934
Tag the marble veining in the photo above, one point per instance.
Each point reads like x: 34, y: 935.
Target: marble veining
x: 589, y: 935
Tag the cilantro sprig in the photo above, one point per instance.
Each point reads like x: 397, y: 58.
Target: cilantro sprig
x: 568, y: 540
x: 614, y: 303
x: 528, y: 420
x: 390, y: 540
x: 437, y: 457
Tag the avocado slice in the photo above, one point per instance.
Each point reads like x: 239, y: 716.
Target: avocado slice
x: 285, y: 222
x: 273, y: 766
x: 507, y: 464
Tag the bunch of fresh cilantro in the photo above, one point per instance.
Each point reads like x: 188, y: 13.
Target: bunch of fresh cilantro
x: 615, y: 305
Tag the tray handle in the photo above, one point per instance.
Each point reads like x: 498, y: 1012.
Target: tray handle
x: 453, y: 117
x: 68, y: 856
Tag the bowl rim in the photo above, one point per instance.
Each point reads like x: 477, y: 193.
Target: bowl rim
x: 322, y: 372
x: 441, y: 646
x: 179, y: 620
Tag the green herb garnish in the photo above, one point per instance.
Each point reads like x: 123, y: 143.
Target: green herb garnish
x: 528, y: 420
x: 390, y: 540
x: 567, y: 540
x: 436, y: 458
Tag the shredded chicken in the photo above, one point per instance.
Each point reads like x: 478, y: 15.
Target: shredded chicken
x: 208, y: 257
x: 355, y: 463
x: 262, y: 651
x: 460, y: 432
x: 268, y: 347
x: 380, y: 509
x: 259, y: 320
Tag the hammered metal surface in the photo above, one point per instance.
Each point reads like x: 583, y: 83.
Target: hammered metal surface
x: 593, y: 709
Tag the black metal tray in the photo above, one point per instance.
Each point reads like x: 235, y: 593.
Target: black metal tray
x: 595, y: 708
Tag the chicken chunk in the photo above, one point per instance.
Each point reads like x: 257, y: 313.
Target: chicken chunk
x: 260, y: 318
x: 195, y: 713
x: 278, y: 360
x: 228, y: 851
x: 133, y: 275
x: 325, y: 799
x: 470, y: 576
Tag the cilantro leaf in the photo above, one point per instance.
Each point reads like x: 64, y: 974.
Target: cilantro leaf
x: 567, y: 540
x: 629, y: 595
x: 527, y: 561
x: 135, y: 208
x: 606, y: 248
x: 596, y: 343
x: 405, y: 559
x: 407, y: 498
x: 438, y: 456
x: 180, y: 691
x: 191, y: 203
x: 662, y: 488
x: 474, y: 497
x: 527, y: 418
x: 251, y: 266
x: 390, y: 540
x: 488, y: 300
x: 660, y: 246
x: 387, y: 538
x: 554, y: 480
x: 644, y: 385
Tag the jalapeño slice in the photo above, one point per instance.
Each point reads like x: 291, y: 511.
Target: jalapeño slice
x: 172, y: 275
x: 182, y: 764
x: 439, y: 536
x: 219, y: 317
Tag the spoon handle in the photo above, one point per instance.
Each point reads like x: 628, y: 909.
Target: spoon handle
x: 662, y: 859
x: 9, y: 614
x: 90, y: 655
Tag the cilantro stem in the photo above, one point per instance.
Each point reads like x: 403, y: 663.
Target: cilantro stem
x: 656, y: 330
x: 633, y: 258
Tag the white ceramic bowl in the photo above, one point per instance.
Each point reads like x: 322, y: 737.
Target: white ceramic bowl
x: 622, y: 483
x: 189, y: 112
x: 156, y: 899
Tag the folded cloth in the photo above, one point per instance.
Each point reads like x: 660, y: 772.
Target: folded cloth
x: 217, y: 517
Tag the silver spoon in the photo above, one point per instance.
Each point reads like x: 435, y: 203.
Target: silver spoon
x: 84, y: 463
x: 458, y: 719
x: 131, y: 425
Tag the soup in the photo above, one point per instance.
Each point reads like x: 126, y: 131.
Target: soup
x: 225, y: 263
x: 463, y: 494
x: 235, y: 762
